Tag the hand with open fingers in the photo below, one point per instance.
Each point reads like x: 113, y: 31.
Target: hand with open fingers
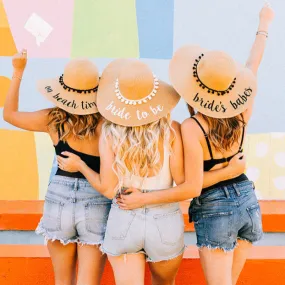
x: 237, y: 165
x: 19, y: 60
x: 266, y: 13
x: 131, y: 199
x: 69, y: 164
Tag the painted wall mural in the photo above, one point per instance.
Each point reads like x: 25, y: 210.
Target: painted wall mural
x: 55, y: 30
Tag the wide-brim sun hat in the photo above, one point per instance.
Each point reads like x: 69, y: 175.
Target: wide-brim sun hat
x: 75, y: 91
x: 129, y: 94
x: 212, y: 82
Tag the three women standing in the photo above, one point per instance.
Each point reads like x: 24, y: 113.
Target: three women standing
x: 140, y: 147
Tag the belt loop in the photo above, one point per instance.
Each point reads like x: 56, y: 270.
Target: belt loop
x: 236, y: 189
x: 76, y: 184
x: 226, y: 191
x: 197, y: 201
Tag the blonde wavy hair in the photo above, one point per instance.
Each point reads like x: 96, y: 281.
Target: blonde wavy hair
x: 136, y: 149
x: 71, y: 125
x: 223, y: 133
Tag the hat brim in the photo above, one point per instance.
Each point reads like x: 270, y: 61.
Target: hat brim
x: 70, y: 101
x: 120, y: 113
x: 224, y: 106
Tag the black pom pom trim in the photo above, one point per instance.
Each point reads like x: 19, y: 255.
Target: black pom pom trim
x: 68, y: 88
x: 202, y: 85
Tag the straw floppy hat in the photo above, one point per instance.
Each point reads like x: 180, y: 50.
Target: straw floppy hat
x: 75, y: 91
x: 212, y: 82
x: 131, y: 95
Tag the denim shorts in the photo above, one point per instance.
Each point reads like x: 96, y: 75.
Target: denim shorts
x: 157, y: 231
x: 74, y: 212
x: 223, y: 215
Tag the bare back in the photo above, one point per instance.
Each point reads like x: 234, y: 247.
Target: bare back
x: 216, y: 154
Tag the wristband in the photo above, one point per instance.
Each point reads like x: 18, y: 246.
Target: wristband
x: 16, y: 77
x: 263, y: 33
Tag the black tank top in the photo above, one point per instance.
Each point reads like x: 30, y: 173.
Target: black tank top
x: 210, y: 163
x: 91, y: 160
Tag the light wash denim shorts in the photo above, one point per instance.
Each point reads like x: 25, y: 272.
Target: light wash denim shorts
x: 156, y: 230
x: 74, y: 212
x: 223, y: 215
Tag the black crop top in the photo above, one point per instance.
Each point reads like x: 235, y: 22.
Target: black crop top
x: 210, y: 163
x: 91, y: 160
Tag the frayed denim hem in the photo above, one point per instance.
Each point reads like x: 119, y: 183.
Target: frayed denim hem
x: 122, y: 254
x: 116, y: 255
x: 244, y: 239
x: 82, y: 243
x: 224, y: 249
x: 48, y: 237
x: 251, y: 241
x: 169, y: 258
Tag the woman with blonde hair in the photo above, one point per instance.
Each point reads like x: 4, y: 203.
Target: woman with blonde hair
x: 75, y: 214
x: 226, y: 214
x: 139, y: 147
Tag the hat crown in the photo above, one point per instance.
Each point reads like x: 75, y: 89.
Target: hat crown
x: 81, y: 74
x: 217, y: 70
x: 136, y: 80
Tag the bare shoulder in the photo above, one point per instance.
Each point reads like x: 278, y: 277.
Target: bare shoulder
x: 176, y: 126
x: 190, y: 128
x: 45, y: 112
x: 99, y: 126
x: 189, y: 124
x: 176, y: 131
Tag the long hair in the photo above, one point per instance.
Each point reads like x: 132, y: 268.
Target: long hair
x: 136, y: 149
x: 223, y: 133
x: 77, y: 126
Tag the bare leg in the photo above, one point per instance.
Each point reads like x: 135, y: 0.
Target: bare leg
x: 217, y: 266
x: 91, y: 263
x: 240, y: 255
x: 64, y: 262
x: 164, y: 272
x: 128, y: 269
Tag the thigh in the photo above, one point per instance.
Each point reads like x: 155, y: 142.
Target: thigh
x: 91, y: 263
x: 217, y: 266
x: 129, y: 269
x: 164, y: 272
x: 240, y: 255
x: 64, y: 262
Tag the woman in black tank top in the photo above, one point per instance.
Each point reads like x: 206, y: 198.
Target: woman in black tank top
x: 226, y: 214
x: 75, y: 214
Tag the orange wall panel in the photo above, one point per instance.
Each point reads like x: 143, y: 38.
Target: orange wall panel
x: 19, y: 171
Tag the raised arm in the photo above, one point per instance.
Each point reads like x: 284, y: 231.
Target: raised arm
x: 265, y: 18
x: 31, y: 121
x: 106, y: 181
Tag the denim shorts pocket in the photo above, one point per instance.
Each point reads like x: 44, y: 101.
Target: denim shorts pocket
x: 218, y: 226
x: 96, y: 216
x: 255, y: 216
x: 119, y: 223
x: 170, y: 227
x: 52, y: 214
